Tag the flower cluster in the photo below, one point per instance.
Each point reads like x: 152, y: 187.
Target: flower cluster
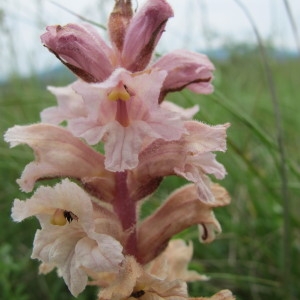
x: 90, y: 227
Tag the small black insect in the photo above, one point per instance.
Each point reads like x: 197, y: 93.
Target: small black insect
x: 137, y: 294
x: 70, y: 216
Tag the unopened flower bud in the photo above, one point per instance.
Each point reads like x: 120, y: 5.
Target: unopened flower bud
x: 118, y: 22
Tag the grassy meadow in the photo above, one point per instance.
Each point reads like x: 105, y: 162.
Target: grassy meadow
x: 257, y: 255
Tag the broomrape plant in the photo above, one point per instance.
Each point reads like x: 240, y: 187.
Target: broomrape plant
x: 90, y: 227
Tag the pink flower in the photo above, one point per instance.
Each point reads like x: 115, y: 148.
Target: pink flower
x: 163, y: 278
x: 134, y: 281
x: 70, y: 105
x: 191, y: 157
x: 182, y: 209
x: 59, y: 154
x: 69, y: 238
x: 122, y: 111
x: 133, y: 39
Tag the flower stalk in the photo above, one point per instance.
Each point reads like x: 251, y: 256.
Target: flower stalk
x: 125, y: 209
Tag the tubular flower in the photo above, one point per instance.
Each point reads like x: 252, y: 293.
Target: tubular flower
x: 122, y: 111
x: 133, y: 39
x: 134, y: 282
x: 68, y: 233
x: 59, y: 154
x: 182, y: 209
x: 190, y: 157
x: 164, y: 278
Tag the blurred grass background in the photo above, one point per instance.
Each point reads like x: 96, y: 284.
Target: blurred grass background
x: 249, y: 257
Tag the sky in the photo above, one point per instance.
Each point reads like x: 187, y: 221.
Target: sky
x: 197, y: 25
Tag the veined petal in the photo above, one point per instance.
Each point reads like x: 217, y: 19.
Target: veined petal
x: 56, y: 246
x: 66, y: 196
x: 145, y: 119
x: 72, y: 250
x: 143, y: 34
x: 173, y: 263
x: 189, y: 157
x: 186, y: 69
x: 124, y: 283
x: 123, y: 146
x: 202, y: 182
x: 133, y: 281
x: 99, y: 252
x: 58, y: 154
x: 81, y: 49
x: 185, y: 113
x: 181, y: 210
x: 70, y: 106
x: 73, y: 245
x: 179, y: 255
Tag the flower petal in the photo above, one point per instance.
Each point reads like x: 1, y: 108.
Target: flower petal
x: 75, y: 244
x: 186, y: 69
x: 123, y: 146
x: 58, y: 154
x: 181, y: 210
x: 100, y: 254
x: 55, y: 245
x: 185, y: 113
x: 143, y: 33
x: 178, y: 255
x: 132, y: 280
x: 66, y: 196
x: 146, y: 119
x: 70, y: 105
x: 122, y: 287
x: 189, y: 157
x: 80, y: 48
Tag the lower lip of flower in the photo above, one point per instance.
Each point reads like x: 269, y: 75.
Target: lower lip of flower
x: 122, y: 114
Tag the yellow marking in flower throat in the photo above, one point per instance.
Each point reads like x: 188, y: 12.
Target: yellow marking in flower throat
x: 61, y: 217
x: 119, y: 93
x: 58, y: 218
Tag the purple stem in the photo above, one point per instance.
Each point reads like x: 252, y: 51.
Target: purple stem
x: 125, y: 208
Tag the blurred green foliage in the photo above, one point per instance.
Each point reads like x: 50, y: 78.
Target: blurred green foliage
x: 248, y: 256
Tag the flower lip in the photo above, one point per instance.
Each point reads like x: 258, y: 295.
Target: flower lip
x: 122, y: 114
x: 125, y: 125
x: 69, y: 247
